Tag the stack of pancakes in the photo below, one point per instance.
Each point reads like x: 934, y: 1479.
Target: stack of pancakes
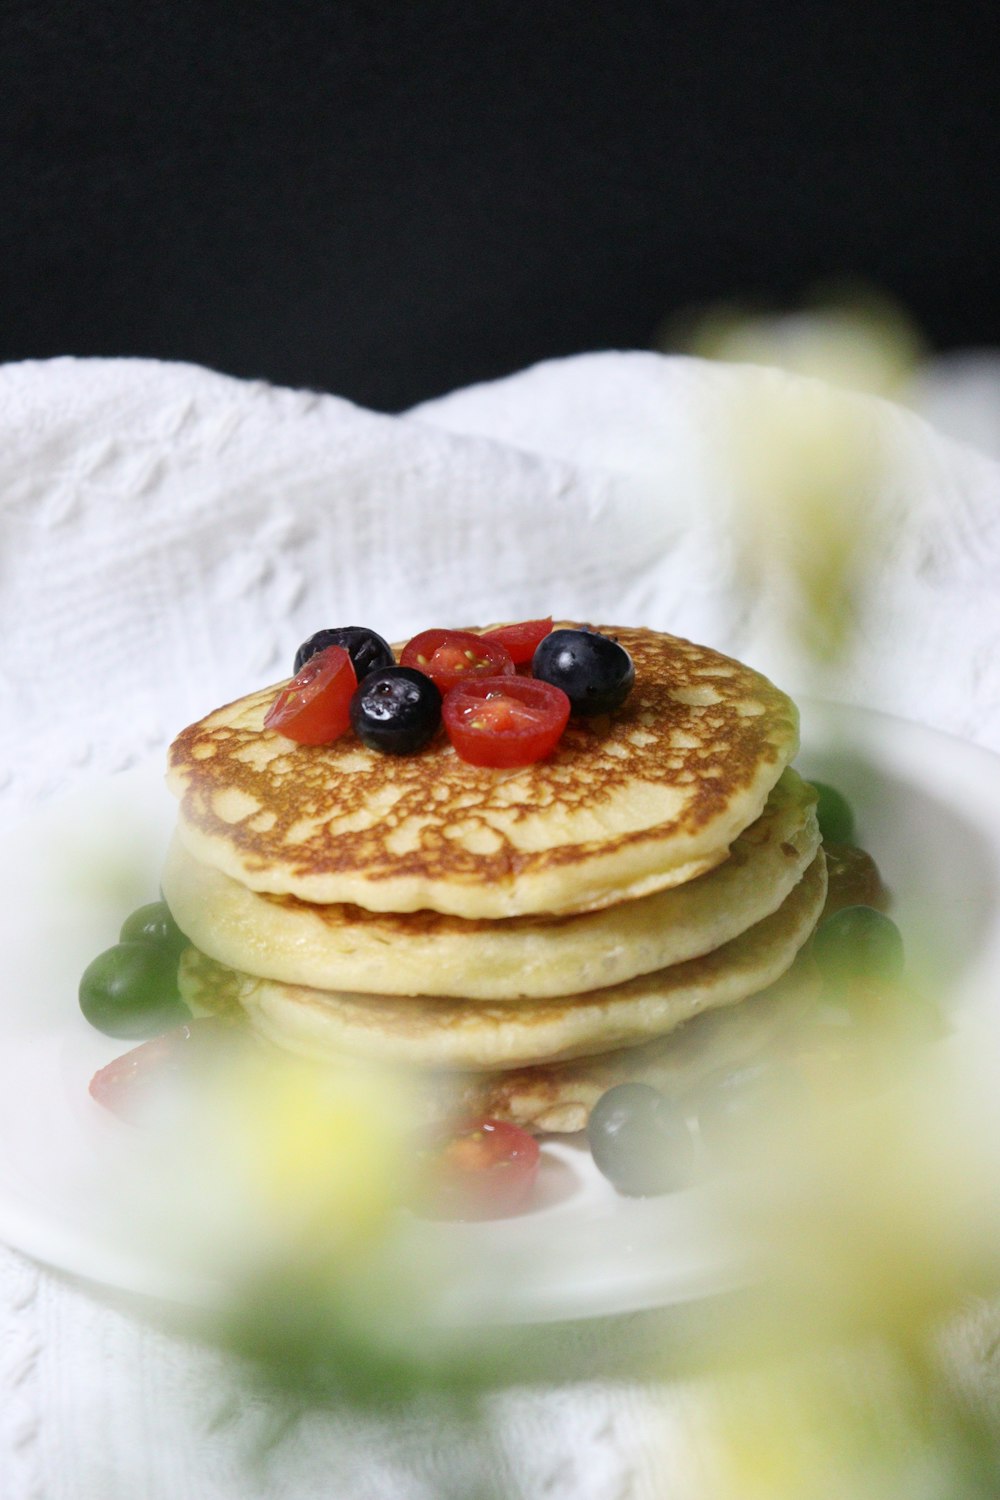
x: 519, y: 939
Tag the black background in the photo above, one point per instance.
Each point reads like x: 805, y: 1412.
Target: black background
x: 387, y: 200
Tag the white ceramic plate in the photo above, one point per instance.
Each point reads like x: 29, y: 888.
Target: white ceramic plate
x: 928, y: 808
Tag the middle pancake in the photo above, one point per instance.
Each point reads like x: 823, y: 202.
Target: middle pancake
x: 346, y: 948
x: 436, y: 1032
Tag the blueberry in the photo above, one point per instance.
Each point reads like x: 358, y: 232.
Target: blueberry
x: 594, y: 672
x: 640, y: 1141
x: 396, y: 710
x: 858, y: 942
x: 368, y: 651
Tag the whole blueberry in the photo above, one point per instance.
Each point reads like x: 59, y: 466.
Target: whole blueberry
x: 594, y: 672
x: 396, y: 710
x: 367, y: 650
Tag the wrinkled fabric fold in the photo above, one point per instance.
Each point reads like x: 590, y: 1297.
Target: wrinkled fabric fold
x: 167, y: 537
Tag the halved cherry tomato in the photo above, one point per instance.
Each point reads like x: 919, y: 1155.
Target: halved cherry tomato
x: 452, y: 656
x: 521, y: 639
x: 133, y: 1084
x: 314, y: 708
x: 504, y: 721
x: 480, y: 1169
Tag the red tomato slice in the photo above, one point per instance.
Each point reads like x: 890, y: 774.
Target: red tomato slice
x: 452, y: 656
x: 130, y: 1085
x: 482, y: 1169
x: 315, y: 707
x: 520, y: 640
x: 504, y: 721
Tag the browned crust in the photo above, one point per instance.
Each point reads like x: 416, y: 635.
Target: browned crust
x: 303, y: 802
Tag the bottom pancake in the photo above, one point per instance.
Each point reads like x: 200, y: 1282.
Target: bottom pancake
x: 557, y: 1098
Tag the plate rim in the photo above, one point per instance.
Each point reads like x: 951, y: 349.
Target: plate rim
x: 25, y: 1228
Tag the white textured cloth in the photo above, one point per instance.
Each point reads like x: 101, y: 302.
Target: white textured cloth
x: 167, y: 537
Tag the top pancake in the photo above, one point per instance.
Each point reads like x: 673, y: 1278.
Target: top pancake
x: 335, y: 947
x: 637, y: 801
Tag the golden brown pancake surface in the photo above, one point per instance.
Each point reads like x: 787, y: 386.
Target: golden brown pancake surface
x: 640, y: 800
x: 337, y: 947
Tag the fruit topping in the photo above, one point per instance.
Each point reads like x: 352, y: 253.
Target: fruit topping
x: 396, y: 710
x: 452, y: 656
x: 479, y: 1169
x: 595, y: 672
x: 367, y: 650
x: 134, y: 1083
x: 520, y: 639
x: 504, y: 721
x: 398, y: 715
x: 314, y: 709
